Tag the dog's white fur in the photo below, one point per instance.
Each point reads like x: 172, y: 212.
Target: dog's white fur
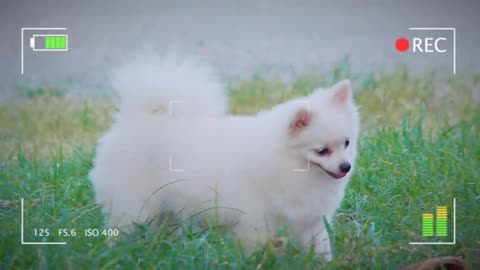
x: 173, y: 149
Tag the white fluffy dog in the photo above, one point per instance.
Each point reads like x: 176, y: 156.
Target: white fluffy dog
x: 173, y: 149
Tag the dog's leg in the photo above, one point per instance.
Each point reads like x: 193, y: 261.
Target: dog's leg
x: 318, y: 236
x: 251, y: 233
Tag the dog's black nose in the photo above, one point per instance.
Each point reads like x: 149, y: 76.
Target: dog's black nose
x: 345, y: 167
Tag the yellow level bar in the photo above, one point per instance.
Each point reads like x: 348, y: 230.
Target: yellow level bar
x: 441, y: 212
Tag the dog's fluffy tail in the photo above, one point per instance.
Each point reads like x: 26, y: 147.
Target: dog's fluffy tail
x: 150, y: 84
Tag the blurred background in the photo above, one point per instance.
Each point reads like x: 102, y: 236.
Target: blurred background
x: 238, y: 37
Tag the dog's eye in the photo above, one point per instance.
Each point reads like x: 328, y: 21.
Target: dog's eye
x: 347, y: 142
x: 323, y: 151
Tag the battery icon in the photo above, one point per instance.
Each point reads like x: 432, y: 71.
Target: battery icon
x: 49, y: 43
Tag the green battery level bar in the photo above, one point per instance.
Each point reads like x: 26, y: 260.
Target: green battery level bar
x: 49, y: 42
x: 427, y: 224
x: 55, y: 42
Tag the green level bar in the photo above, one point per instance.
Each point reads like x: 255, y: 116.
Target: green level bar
x: 441, y: 227
x: 427, y: 225
x: 57, y: 42
x: 441, y: 221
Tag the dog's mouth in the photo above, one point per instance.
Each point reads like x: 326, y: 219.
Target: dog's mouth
x: 332, y: 174
x: 335, y: 175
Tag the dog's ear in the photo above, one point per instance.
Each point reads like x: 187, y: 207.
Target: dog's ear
x: 342, y: 91
x: 300, y: 121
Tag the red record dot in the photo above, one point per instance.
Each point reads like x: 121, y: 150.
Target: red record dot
x: 402, y: 44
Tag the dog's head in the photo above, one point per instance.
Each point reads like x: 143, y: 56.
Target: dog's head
x: 324, y: 131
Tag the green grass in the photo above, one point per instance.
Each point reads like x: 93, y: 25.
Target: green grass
x: 419, y: 149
